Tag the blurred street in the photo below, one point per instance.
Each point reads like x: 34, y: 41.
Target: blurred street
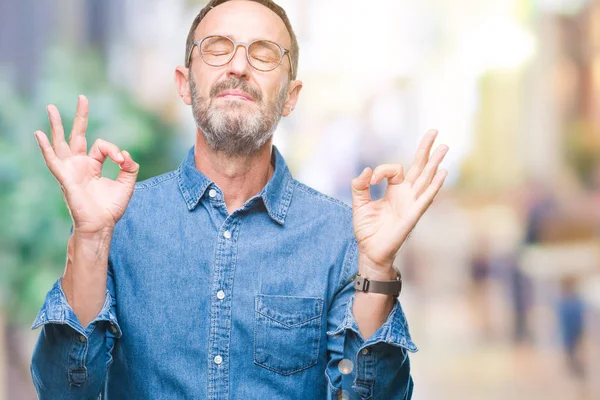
x: 462, y: 364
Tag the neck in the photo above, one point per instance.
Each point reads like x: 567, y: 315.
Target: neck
x: 239, y: 178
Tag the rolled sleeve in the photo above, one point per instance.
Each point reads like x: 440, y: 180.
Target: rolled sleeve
x: 376, y: 368
x: 69, y: 360
x: 57, y: 310
x: 394, y: 331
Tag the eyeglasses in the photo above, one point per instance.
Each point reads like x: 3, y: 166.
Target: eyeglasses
x: 262, y: 55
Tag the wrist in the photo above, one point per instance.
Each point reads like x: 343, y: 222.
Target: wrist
x: 382, y: 273
x: 374, y: 286
x: 377, y: 271
x: 390, y: 275
x: 98, y: 235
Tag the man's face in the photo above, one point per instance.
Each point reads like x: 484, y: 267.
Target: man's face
x: 236, y: 106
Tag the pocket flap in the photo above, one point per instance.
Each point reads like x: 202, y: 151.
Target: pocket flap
x: 289, y: 310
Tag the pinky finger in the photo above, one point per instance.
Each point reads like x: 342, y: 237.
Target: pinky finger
x: 50, y: 157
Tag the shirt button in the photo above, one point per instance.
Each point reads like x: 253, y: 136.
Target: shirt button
x: 364, y: 351
x: 82, y: 338
x: 218, y: 360
x: 227, y: 235
x: 346, y: 366
x: 113, y: 329
x: 212, y: 192
x: 220, y: 295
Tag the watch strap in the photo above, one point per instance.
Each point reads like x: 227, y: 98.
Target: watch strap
x: 366, y: 285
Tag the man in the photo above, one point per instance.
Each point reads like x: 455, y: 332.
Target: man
x: 227, y: 278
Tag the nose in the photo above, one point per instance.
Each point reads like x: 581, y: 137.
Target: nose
x: 238, y: 67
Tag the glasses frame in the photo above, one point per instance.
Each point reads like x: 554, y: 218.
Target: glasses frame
x: 283, y: 50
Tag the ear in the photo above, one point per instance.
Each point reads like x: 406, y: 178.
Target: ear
x: 293, y: 93
x: 183, y: 85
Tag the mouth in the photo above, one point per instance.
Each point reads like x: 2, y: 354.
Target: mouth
x: 235, y: 95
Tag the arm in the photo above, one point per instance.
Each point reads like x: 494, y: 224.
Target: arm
x: 84, y: 279
x: 369, y: 330
x: 373, y: 309
x: 381, y: 227
x: 379, y: 363
x: 70, y: 361
x: 79, y: 325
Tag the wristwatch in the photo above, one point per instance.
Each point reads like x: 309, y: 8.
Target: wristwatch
x: 384, y: 287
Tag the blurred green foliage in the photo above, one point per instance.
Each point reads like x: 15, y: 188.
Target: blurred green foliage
x: 35, y: 222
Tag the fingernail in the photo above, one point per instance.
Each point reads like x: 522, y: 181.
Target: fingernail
x: 120, y: 157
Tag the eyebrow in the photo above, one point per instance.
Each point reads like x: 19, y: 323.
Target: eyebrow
x: 232, y: 37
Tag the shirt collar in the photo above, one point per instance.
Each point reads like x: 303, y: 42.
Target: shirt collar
x: 276, y: 195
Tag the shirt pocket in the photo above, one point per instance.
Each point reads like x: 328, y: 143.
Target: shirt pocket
x: 287, y: 332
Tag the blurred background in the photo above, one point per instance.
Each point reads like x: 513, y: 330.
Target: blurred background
x: 502, y: 275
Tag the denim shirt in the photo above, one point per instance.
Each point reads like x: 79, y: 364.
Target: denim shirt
x: 203, y: 304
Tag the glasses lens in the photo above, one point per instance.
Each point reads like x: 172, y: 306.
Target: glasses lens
x: 264, y: 55
x: 216, y: 50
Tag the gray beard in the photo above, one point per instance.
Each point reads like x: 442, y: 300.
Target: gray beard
x: 239, y: 135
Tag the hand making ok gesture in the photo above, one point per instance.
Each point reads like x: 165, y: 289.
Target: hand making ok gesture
x: 382, y: 226
x: 95, y: 203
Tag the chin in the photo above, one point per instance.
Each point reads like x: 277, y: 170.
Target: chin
x: 233, y: 115
x: 233, y: 104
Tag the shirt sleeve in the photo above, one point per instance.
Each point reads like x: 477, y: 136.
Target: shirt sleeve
x: 71, y: 361
x: 378, y: 368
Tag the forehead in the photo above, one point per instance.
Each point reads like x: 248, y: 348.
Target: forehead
x: 244, y: 20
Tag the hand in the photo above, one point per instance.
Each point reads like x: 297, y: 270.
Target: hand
x: 95, y: 203
x: 382, y: 226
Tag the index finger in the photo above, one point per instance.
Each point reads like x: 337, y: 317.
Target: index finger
x: 52, y: 161
x: 393, y: 172
x: 77, y: 141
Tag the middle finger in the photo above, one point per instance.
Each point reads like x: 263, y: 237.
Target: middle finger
x: 422, y: 156
x: 77, y: 140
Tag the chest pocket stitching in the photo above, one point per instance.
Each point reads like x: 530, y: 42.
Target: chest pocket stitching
x: 300, y: 319
x: 289, y: 325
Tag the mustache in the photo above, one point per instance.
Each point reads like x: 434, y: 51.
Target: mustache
x: 233, y: 83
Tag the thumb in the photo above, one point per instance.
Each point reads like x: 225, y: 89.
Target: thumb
x: 361, y: 193
x: 129, y: 170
